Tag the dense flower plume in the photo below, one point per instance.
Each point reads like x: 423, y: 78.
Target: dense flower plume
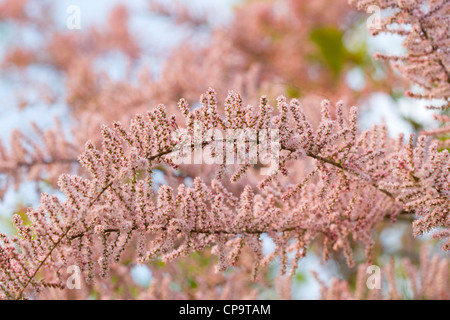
x: 90, y: 94
x: 119, y: 203
x: 29, y: 159
x: 430, y: 282
x: 425, y: 26
x: 224, y: 200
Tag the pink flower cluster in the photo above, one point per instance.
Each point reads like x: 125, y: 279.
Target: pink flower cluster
x: 350, y: 183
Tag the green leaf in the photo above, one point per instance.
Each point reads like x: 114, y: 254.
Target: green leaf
x: 331, y: 47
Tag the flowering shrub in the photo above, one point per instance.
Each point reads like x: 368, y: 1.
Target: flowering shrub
x: 234, y: 174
